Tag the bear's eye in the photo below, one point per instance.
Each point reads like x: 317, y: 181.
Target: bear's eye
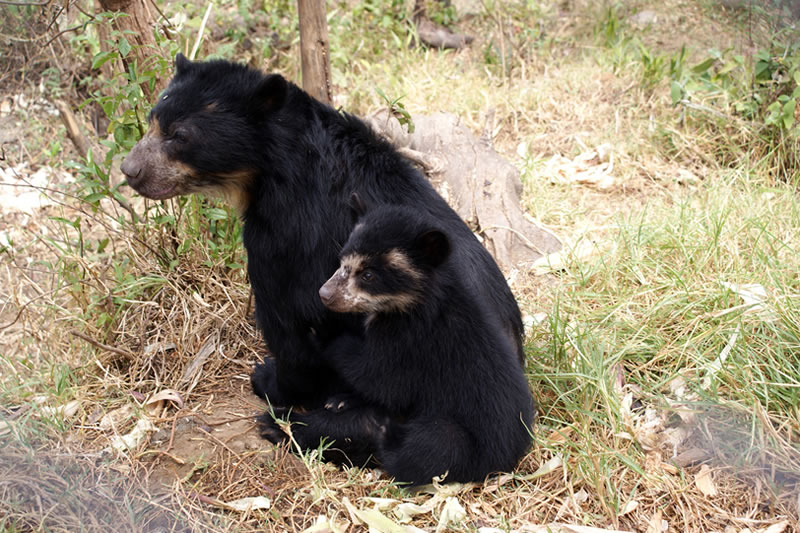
x: 367, y: 276
x: 179, y: 136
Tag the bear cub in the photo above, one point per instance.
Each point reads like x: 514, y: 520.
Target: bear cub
x: 445, y: 390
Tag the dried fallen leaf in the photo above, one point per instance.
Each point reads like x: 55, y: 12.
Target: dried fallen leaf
x: 249, y: 504
x: 498, y: 482
x: 669, y: 468
x: 592, y: 167
x: 654, y: 525
x: 559, y: 260
x: 775, y: 528
x: 550, y: 466
x: 560, y: 435
x: 324, y: 524
x: 405, y: 512
x: 379, y: 522
x: 716, y: 365
x: 381, y: 504
x: 754, y: 295
x: 629, y: 507
x: 352, y: 511
x: 131, y: 441
x: 66, y: 411
x: 199, y: 299
x: 193, y: 371
x: 116, y: 418
x: 452, y: 513
x: 157, y: 401
x: 162, y: 347
x: 587, y: 529
x: 704, y: 482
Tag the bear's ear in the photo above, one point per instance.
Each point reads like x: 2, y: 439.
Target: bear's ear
x: 357, y: 205
x: 433, y: 246
x: 270, y: 93
x: 182, y: 65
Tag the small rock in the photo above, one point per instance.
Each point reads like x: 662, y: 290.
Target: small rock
x: 644, y: 18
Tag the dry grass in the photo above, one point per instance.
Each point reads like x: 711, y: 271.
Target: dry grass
x: 89, y: 337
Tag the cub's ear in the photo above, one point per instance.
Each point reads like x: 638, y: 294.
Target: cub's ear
x: 433, y: 246
x: 182, y: 65
x: 270, y: 93
x: 357, y: 205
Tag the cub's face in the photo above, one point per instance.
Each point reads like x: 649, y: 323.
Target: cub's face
x: 383, y: 282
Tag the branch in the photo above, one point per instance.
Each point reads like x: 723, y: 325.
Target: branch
x: 24, y: 4
x: 93, y: 342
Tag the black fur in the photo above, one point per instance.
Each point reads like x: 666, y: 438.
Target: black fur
x: 447, y: 391
x: 295, y: 164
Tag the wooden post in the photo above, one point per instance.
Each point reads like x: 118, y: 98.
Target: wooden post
x: 314, y: 49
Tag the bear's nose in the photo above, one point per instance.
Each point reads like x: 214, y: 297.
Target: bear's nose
x: 325, y: 293
x: 131, y: 169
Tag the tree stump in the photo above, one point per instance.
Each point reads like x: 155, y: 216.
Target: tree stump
x: 478, y: 183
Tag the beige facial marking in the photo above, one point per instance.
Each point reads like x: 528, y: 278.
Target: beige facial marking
x: 398, y: 260
x: 352, y: 262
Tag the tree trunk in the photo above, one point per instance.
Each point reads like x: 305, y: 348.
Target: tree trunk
x: 141, y: 24
x: 314, y: 49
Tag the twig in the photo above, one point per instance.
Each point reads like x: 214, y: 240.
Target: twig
x: 162, y: 452
x: 235, y: 419
x: 200, y: 32
x: 25, y: 305
x: 525, y: 240
x: 101, y: 345
x: 62, y: 32
x: 172, y: 433
x: 24, y: 4
x: 73, y: 131
x: 699, y: 107
x: 163, y: 16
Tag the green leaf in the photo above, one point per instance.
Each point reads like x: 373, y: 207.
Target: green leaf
x: 164, y: 219
x: 94, y: 197
x: 703, y: 65
x: 728, y: 67
x: 762, y: 68
x: 788, y: 113
x: 102, y: 57
x: 124, y: 47
x: 215, y: 213
x: 119, y: 135
x: 676, y: 92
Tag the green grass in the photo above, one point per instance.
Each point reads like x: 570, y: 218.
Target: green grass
x: 656, y: 305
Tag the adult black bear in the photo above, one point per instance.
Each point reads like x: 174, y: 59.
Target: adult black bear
x: 290, y: 164
x: 441, y: 386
